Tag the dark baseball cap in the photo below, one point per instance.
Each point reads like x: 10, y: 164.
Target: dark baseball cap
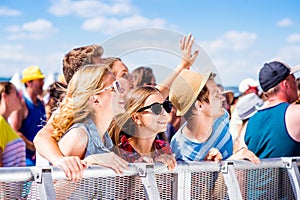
x: 273, y: 73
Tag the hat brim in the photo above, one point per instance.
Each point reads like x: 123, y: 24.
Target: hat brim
x: 191, y: 101
x: 26, y: 79
x: 295, y: 69
x: 229, y: 95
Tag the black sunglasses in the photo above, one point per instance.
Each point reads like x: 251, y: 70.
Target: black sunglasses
x: 156, y: 108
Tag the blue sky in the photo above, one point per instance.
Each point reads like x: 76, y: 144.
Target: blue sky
x: 238, y: 36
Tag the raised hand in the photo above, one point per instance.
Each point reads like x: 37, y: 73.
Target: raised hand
x: 186, y: 44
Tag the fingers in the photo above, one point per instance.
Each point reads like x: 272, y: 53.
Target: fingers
x: 214, y: 155
x: 168, y: 160
x: 182, y: 43
x: 244, y: 153
x: 72, y: 166
x: 187, y: 42
x: 194, y: 56
x: 110, y: 160
x: 252, y: 157
x: 119, y: 165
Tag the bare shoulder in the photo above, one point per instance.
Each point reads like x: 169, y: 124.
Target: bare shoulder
x: 74, y: 142
x: 293, y: 121
x: 293, y: 110
x: 78, y: 134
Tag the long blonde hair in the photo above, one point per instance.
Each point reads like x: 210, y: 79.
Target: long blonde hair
x: 134, y: 101
x: 86, y: 82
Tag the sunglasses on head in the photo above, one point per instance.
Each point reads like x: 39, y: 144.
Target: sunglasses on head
x: 157, y: 108
x: 116, y: 87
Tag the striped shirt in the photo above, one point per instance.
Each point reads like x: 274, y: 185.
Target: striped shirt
x: 13, y: 147
x: 220, y: 138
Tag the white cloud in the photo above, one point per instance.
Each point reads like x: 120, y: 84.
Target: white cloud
x: 284, y: 22
x: 92, y: 8
x: 4, y: 11
x: 12, y: 56
x: 11, y: 52
x: 290, y: 54
x: 232, y: 40
x: 38, y: 29
x: 293, y: 38
x: 114, y: 25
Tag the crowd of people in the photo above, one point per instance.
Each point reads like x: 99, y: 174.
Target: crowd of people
x: 104, y: 115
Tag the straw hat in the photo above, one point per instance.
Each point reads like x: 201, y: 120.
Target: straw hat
x: 31, y: 73
x: 185, y: 89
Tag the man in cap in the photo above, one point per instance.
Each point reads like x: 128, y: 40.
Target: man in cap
x: 274, y: 131
x: 205, y: 132
x: 31, y: 118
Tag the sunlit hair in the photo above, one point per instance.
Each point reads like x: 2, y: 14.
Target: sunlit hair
x: 142, y: 75
x: 203, y: 96
x: 79, y: 57
x: 86, y: 82
x: 5, y: 87
x: 135, y: 100
x: 272, y: 91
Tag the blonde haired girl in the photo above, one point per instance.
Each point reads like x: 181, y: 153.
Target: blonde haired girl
x: 85, y: 114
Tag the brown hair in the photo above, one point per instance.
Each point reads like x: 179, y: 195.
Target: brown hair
x: 78, y: 57
x: 5, y: 87
x: 123, y: 124
x: 142, y: 75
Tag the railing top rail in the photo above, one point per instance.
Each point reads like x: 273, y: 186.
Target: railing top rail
x: 12, y: 174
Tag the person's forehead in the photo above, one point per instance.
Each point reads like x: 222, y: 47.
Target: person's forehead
x: 38, y: 80
x: 211, y: 84
x: 120, y: 66
x: 157, y: 97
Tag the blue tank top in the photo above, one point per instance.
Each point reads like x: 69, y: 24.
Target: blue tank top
x: 35, y: 120
x: 267, y: 136
x: 96, y: 145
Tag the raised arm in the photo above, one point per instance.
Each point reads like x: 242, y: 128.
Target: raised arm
x: 188, y: 58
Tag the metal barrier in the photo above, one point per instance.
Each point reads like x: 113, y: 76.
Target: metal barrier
x: 271, y: 179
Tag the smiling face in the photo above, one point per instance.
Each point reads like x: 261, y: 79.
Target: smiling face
x: 215, y: 107
x: 151, y: 123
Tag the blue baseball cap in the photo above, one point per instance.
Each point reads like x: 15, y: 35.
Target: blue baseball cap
x: 273, y: 73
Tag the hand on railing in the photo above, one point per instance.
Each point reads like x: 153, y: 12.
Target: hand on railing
x: 245, y: 154
x: 213, y: 155
x: 110, y: 160
x: 72, y: 166
x: 168, y: 160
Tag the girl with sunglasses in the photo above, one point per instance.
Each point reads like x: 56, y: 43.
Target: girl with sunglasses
x: 85, y: 114
x: 134, y: 132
